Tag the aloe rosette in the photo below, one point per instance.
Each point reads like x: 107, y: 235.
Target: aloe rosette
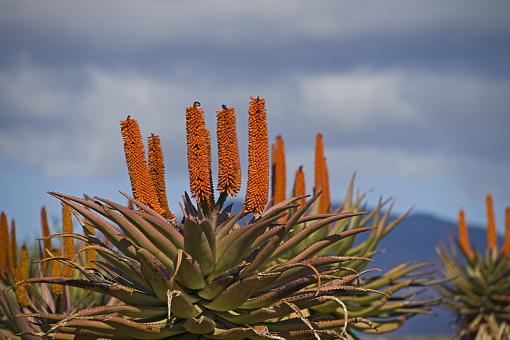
x: 478, y: 286
x: 275, y: 269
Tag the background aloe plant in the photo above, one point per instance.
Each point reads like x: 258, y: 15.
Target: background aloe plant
x: 370, y: 314
x: 17, y: 297
x: 479, y: 287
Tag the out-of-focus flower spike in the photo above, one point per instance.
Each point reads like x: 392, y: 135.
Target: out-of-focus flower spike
x: 90, y: 254
x: 319, y: 162
x: 68, y: 241
x: 321, y: 180
x: 6, y: 251
x: 21, y: 273
x: 463, y: 235
x: 4, y: 239
x: 506, y: 245
x: 56, y: 271
x: 299, y: 188
x: 134, y: 150
x: 325, y: 200
x: 157, y: 173
x: 45, y: 227
x: 492, y: 241
x: 279, y: 170
x: 229, y: 164
x: 14, y: 244
x: 258, y: 157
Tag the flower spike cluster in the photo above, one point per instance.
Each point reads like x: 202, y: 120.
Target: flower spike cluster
x: 477, y: 282
x: 258, y: 157
x: 199, y: 154
x: 229, y: 165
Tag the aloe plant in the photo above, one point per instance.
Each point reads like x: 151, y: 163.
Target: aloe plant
x: 19, y: 264
x: 285, y: 268
x: 478, y: 289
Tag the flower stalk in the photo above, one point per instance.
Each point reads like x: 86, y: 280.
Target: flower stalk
x: 258, y: 157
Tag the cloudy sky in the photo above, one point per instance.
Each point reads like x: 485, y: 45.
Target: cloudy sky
x: 412, y: 95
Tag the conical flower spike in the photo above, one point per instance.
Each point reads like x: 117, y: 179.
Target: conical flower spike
x: 45, y: 233
x: 199, y: 165
x: 157, y: 173
x: 14, y: 244
x: 463, y: 235
x: 90, y: 254
x: 68, y: 241
x: 5, y: 253
x: 325, y: 201
x: 134, y: 150
x: 492, y: 240
x: 299, y: 185
x: 258, y: 157
x: 229, y: 165
x: 321, y: 175
x: 319, y: 163
x: 209, y: 161
x: 279, y: 171
x: 506, y: 246
x: 4, y: 240
x: 21, y: 274
x: 56, y: 271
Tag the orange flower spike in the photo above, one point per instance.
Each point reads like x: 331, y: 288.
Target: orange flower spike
x: 134, y: 150
x: 45, y: 233
x: 90, y: 254
x: 198, y: 149
x: 68, y: 242
x: 258, y: 157
x: 325, y: 201
x: 208, y: 161
x: 56, y: 271
x: 506, y: 245
x: 492, y: 241
x: 229, y: 164
x: 299, y: 185
x: 14, y: 245
x: 319, y: 162
x: 157, y: 173
x: 22, y: 273
x: 463, y: 235
x: 279, y: 171
x: 3, y: 240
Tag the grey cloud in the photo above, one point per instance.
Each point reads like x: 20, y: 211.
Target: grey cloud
x: 280, y: 37
x: 438, y: 114
x: 414, y: 90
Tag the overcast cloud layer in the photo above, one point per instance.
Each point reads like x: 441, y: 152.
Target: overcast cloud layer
x: 412, y: 95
